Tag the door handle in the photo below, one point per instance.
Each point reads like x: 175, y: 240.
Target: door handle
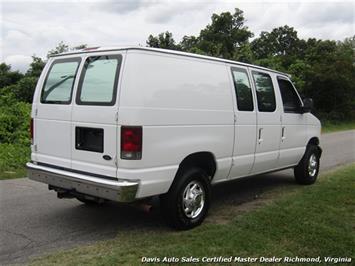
x: 259, y: 138
x: 107, y: 157
x: 283, y: 137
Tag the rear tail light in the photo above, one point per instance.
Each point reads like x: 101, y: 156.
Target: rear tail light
x: 131, y: 142
x: 31, y: 130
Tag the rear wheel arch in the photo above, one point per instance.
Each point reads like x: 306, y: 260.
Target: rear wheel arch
x: 204, y: 160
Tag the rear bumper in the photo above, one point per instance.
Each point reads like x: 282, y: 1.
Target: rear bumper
x: 116, y: 190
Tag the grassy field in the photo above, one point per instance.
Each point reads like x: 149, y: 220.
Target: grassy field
x: 308, y: 221
x: 328, y: 127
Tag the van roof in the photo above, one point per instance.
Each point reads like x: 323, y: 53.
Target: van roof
x: 165, y: 51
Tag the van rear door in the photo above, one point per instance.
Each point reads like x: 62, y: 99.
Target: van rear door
x: 94, y: 129
x: 52, y: 113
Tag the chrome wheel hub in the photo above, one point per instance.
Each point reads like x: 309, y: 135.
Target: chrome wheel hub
x: 193, y: 199
x: 312, y: 165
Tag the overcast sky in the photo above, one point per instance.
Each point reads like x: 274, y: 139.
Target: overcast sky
x: 34, y: 27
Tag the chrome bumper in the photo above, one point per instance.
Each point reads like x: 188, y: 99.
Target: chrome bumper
x: 120, y: 190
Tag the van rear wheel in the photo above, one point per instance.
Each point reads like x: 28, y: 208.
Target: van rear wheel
x: 306, y: 172
x: 187, y: 202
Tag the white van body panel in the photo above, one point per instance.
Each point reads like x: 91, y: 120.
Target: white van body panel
x: 313, y: 127
x: 185, y: 104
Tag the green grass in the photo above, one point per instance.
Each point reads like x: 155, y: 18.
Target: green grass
x: 13, y: 158
x: 328, y: 126
x: 309, y: 221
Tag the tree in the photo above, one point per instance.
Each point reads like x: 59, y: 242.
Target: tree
x: 189, y: 43
x: 280, y: 41
x: 60, y: 48
x: 330, y: 78
x: 79, y: 47
x: 244, y: 54
x: 262, y: 46
x: 164, y: 40
x: 281, y: 45
x: 63, y: 48
x: 25, y: 88
x: 36, y: 67
x: 7, y: 76
x: 225, y: 35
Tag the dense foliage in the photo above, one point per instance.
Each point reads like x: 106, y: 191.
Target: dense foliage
x: 14, y: 135
x: 321, y: 69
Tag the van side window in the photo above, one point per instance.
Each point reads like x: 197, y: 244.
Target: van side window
x: 98, y: 80
x: 290, y: 99
x: 264, y: 92
x: 242, y: 89
x: 58, y: 85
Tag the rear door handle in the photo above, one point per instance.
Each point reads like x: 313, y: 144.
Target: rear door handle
x: 283, y: 137
x: 259, y: 138
x: 107, y: 157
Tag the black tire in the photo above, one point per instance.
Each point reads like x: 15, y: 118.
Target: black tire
x: 172, y: 203
x: 305, y: 174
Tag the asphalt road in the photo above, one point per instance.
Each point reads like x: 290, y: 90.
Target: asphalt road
x: 34, y: 222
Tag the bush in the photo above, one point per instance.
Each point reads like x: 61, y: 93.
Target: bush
x: 13, y: 156
x: 14, y: 120
x: 25, y: 88
x: 14, y: 134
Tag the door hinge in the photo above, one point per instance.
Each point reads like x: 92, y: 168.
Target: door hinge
x: 35, y: 147
x: 116, y: 161
x: 235, y: 118
x: 36, y: 111
x: 116, y: 116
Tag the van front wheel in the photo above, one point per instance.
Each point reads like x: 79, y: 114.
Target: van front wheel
x: 306, y: 171
x: 187, y: 202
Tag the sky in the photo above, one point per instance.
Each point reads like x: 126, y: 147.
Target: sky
x: 35, y: 27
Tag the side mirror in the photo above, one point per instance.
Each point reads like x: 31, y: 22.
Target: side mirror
x: 307, y: 105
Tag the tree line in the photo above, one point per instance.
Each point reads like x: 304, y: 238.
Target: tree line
x: 321, y: 69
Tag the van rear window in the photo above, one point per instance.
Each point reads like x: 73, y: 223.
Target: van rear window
x: 98, y: 80
x: 58, y: 85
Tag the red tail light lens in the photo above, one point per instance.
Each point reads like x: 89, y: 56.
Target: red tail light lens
x: 31, y: 130
x: 131, y: 142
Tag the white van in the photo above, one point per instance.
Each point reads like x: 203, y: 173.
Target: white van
x: 126, y: 124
